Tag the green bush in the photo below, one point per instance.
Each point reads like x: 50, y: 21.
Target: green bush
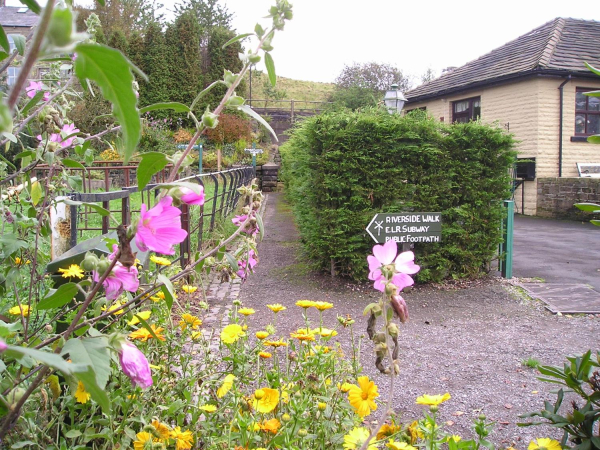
x: 343, y: 167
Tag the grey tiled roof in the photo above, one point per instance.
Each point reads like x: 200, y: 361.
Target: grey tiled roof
x: 10, y: 17
x: 558, y: 47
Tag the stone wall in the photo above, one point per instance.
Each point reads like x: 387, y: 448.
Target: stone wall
x: 556, y: 197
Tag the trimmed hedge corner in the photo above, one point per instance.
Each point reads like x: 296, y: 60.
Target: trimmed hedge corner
x: 341, y: 168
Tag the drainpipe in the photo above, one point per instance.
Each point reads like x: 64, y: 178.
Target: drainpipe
x: 560, y: 127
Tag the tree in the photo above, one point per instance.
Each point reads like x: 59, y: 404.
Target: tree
x: 183, y: 57
x: 208, y: 12
x: 127, y: 15
x: 428, y: 76
x: 365, y: 84
x: 154, y: 64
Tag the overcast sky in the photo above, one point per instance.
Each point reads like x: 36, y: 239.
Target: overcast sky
x: 412, y: 35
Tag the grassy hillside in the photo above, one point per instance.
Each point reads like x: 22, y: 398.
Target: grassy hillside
x: 287, y: 89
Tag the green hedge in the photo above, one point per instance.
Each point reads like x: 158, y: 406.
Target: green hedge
x: 342, y: 167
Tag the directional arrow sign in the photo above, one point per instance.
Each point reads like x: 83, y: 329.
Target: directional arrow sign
x: 406, y: 227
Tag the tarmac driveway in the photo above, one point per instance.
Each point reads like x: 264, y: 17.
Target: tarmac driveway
x: 557, y: 251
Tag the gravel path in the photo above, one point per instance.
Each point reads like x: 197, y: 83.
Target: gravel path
x: 470, y: 342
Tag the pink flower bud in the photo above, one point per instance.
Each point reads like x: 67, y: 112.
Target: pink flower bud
x: 3, y: 346
x: 400, y: 307
x: 135, y: 365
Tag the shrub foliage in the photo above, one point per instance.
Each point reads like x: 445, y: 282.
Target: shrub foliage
x: 343, y: 167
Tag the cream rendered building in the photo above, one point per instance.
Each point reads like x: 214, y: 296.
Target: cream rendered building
x: 533, y: 87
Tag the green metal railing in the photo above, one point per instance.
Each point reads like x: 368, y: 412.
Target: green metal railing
x: 505, y: 251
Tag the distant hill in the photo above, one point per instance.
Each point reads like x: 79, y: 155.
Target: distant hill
x: 286, y: 90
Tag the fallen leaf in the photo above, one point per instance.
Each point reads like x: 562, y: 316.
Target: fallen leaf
x: 534, y: 392
x: 504, y: 423
x: 445, y: 379
x: 508, y: 406
x: 449, y: 423
x: 458, y: 413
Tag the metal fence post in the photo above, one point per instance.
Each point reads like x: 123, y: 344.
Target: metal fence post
x: 507, y: 247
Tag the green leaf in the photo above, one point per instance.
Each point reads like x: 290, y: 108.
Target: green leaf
x: 88, y: 378
x: 11, y: 137
x: 261, y: 227
x: 32, y: 5
x: 72, y: 163
x: 20, y: 42
x: 3, y: 55
x: 176, y: 106
x: 59, y: 297
x: 151, y: 163
x: 595, y: 222
x: 112, y: 72
x: 9, y: 328
x: 239, y: 37
x: 93, y: 352
x: 4, y: 41
x: 99, y: 209
x: 594, y: 139
x: 148, y: 327
x: 31, y: 103
x: 10, y: 244
x: 592, y: 68
x: 167, y: 289
x: 72, y: 434
x: 246, y: 109
x: 36, y: 193
x: 590, y: 207
x: 233, y: 263
x: 270, y: 65
x: 49, y: 359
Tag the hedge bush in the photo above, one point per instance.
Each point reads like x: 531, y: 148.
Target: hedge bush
x: 343, y: 167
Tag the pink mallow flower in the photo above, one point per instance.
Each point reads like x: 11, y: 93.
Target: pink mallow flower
x: 135, y: 365
x: 33, y: 88
x: 120, y: 278
x: 3, y: 346
x: 384, y: 266
x: 250, y: 229
x: 67, y: 133
x: 247, y: 266
x: 190, y: 197
x: 159, y: 228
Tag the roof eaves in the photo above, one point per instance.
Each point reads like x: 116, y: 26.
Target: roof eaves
x: 499, y: 80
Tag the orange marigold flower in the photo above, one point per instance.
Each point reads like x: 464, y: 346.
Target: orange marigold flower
x: 143, y: 334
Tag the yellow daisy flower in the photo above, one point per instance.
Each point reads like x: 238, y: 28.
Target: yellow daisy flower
x: 270, y: 426
x: 275, y: 344
x: 265, y: 355
x: 231, y: 333
x: 322, y: 306
x: 345, y: 387
x: 356, y: 438
x: 226, y: 386
x: 246, y: 311
x: 81, y: 395
x: 544, y: 444
x: 116, y: 308
x: 74, y: 271
x: 432, y: 400
x: 20, y: 310
x: 189, y: 289
x: 276, y: 307
x: 143, y: 437
x: 387, y: 430
x: 325, y: 332
x: 362, y: 397
x: 162, y: 430
x: 262, y: 334
x: 160, y: 260
x: 187, y: 320
x: 395, y: 445
x: 208, y: 408
x: 303, y: 335
x: 196, y: 335
x: 268, y: 402
x: 143, y: 314
x: 305, y: 303
x: 183, y: 439
x: 143, y: 335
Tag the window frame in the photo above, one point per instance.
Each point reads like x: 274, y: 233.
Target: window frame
x: 584, y: 112
x: 469, y: 113
x: 13, y: 76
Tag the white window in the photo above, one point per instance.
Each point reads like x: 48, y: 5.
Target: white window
x: 13, y: 73
x: 11, y: 43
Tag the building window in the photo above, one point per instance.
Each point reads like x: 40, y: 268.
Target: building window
x: 466, y: 110
x: 11, y: 43
x: 587, y: 113
x: 13, y: 73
